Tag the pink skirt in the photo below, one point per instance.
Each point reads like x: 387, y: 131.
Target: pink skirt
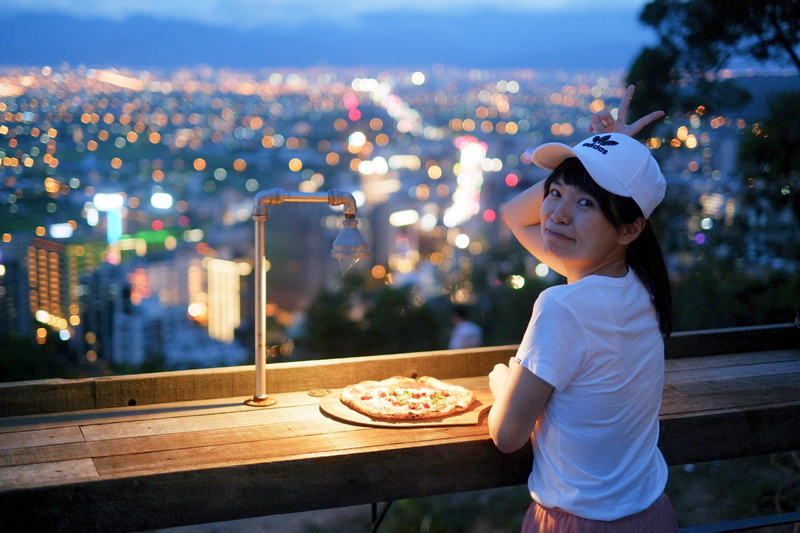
x: 658, y: 518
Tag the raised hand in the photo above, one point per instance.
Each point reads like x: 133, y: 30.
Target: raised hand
x: 604, y: 123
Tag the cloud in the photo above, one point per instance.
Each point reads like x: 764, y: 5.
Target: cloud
x: 245, y: 14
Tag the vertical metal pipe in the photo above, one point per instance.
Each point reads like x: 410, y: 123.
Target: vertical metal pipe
x: 260, y: 398
x: 260, y: 312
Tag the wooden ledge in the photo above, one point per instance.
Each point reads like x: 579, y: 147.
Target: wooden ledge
x: 63, y: 395
x: 203, y: 456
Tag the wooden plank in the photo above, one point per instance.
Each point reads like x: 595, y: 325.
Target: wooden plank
x: 338, y: 373
x: 46, y: 396
x: 169, y: 387
x: 44, y: 474
x: 148, y: 412
x: 782, y: 385
x: 44, y: 437
x: 100, y: 416
x: 183, y: 498
x: 711, y: 436
x: 724, y: 373
x: 297, y: 376
x: 743, y: 389
x: 184, y: 424
x: 260, y: 435
x: 703, y: 343
x: 239, y: 419
x: 726, y: 360
x: 750, y: 393
x: 282, y: 450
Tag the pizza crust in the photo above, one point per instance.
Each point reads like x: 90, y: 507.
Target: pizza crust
x: 402, y: 398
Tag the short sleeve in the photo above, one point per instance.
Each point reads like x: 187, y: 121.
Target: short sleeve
x: 554, y: 344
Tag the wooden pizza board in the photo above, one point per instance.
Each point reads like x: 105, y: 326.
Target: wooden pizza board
x: 331, y: 406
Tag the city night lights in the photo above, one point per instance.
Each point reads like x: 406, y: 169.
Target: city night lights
x: 153, y: 172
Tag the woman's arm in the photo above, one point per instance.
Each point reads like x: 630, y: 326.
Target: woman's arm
x: 520, y: 395
x: 521, y: 215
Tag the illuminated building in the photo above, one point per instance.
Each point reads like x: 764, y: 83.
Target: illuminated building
x: 48, y: 293
x: 224, y: 309
x: 198, y: 297
x: 164, y: 278
x: 80, y: 259
x: 466, y: 198
x: 119, y: 330
x: 215, y: 295
x: 112, y: 205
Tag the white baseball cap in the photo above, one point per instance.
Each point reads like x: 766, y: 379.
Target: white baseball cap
x: 618, y: 163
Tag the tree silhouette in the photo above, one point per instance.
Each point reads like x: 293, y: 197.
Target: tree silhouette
x: 709, y: 34
x: 699, y: 38
x: 769, y: 155
x: 654, y: 72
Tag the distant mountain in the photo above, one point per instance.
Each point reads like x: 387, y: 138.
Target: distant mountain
x: 396, y: 39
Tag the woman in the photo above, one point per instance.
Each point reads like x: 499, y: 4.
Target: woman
x: 585, y: 386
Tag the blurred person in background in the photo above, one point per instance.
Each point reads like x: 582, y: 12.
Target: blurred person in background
x: 465, y: 334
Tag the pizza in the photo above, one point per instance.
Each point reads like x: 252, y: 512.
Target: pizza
x: 402, y: 398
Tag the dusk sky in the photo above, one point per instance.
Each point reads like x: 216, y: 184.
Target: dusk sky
x: 569, y: 34
x: 252, y: 13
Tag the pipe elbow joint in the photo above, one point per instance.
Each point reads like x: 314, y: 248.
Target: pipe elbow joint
x: 270, y: 197
x: 346, y: 199
x: 265, y: 198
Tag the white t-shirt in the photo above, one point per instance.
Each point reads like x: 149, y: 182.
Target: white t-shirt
x: 597, y: 342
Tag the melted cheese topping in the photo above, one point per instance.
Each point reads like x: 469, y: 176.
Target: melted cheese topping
x: 411, y: 399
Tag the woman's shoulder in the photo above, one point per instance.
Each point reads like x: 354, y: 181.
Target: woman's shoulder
x: 579, y: 292
x: 578, y: 288
x: 554, y: 293
x: 557, y: 298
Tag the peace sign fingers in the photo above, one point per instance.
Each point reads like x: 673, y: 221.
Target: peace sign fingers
x: 637, y: 126
x: 604, y: 122
x: 625, y: 103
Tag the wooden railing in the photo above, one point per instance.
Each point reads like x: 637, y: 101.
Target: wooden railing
x: 63, y: 395
x: 729, y: 393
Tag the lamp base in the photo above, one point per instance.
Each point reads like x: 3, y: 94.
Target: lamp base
x: 260, y: 402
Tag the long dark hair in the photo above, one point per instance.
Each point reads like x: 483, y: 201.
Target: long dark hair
x: 644, y: 254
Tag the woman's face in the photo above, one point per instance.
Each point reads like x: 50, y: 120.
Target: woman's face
x: 575, y: 230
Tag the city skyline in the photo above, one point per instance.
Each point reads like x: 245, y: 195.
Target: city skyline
x: 432, y: 157
x: 125, y: 180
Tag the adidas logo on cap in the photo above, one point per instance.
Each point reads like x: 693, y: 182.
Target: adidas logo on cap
x: 599, y: 142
